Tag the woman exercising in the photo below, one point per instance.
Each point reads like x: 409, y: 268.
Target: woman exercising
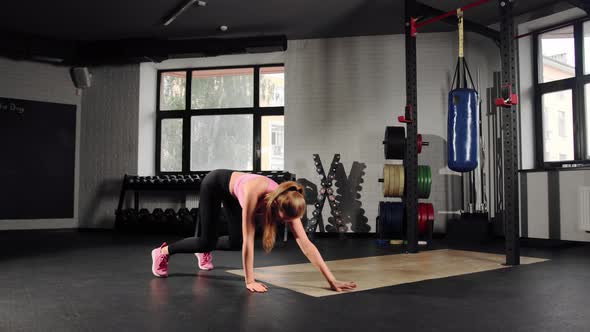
x: 244, y: 196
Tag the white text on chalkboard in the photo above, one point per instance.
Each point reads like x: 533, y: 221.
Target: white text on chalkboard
x: 11, y: 107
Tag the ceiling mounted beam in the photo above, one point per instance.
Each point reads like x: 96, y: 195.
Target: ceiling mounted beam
x: 425, y: 10
x: 142, y: 50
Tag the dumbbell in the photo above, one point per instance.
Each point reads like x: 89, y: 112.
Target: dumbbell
x: 170, y: 216
x: 145, y: 219
x: 121, y: 219
x: 187, y: 222
x: 159, y: 219
x: 132, y: 218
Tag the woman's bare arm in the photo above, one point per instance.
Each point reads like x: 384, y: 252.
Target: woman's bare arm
x: 253, y: 190
x: 314, y: 256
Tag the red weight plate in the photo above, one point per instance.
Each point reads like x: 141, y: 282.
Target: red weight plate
x: 421, y: 218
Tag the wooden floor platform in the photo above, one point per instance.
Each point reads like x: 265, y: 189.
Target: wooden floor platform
x: 382, y: 271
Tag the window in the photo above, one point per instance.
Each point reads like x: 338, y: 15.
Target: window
x: 172, y: 91
x: 562, y: 67
x: 171, y: 152
x: 273, y: 143
x: 558, y: 60
x: 558, y: 147
x: 230, y: 117
x: 560, y: 120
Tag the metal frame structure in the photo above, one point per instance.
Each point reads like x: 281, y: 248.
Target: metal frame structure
x: 186, y: 114
x: 411, y: 157
x: 508, y: 53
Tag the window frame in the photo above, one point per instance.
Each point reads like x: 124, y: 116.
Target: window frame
x: 576, y: 84
x: 186, y: 115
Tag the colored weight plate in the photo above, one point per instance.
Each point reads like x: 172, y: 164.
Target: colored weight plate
x: 381, y: 243
x: 396, y: 220
x: 385, y: 181
x: 395, y: 180
x: 391, y: 225
x: 423, y: 188
x: 426, y: 191
x: 394, y: 142
x: 381, y: 217
x: 389, y: 220
x: 392, y: 180
x: 402, y: 181
x: 419, y: 181
x: 428, y: 181
x: 421, y: 219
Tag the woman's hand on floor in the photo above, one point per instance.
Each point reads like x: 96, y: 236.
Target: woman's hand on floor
x: 340, y: 286
x: 256, y: 287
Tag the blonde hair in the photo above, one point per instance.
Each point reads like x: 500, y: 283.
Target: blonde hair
x: 288, y: 199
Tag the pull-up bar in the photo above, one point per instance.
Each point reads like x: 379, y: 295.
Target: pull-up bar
x: 415, y: 25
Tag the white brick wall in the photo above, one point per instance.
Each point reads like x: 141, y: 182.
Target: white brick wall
x: 342, y: 92
x: 41, y: 82
x: 109, y: 141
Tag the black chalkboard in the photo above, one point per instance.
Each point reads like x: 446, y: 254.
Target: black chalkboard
x: 37, y: 159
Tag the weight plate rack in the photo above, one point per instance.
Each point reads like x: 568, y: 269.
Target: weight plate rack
x: 392, y: 225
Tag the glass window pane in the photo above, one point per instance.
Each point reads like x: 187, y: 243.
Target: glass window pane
x: 222, y: 88
x: 558, y: 126
x: 273, y: 143
x: 587, y: 94
x: 272, y: 86
x: 557, y: 55
x: 222, y: 141
x: 172, y: 91
x: 171, y: 146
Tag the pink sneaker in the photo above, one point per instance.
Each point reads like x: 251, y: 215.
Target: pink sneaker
x: 205, y: 261
x: 160, y: 262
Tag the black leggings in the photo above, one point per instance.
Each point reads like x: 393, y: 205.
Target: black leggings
x: 214, y: 191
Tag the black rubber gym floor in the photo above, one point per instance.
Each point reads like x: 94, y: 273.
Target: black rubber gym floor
x: 95, y: 281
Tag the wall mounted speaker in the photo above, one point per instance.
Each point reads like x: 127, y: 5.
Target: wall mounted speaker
x: 81, y: 77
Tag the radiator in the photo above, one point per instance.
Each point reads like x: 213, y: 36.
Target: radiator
x: 585, y: 208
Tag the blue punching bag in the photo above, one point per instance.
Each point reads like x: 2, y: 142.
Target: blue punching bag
x: 463, y: 130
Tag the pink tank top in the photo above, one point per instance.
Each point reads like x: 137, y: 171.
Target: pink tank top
x: 239, y: 186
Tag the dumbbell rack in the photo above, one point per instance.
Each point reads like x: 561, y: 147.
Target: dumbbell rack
x: 159, y: 220
x: 190, y: 183
x: 326, y: 192
x: 138, y: 184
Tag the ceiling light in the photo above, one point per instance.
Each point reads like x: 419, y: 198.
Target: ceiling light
x: 223, y: 28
